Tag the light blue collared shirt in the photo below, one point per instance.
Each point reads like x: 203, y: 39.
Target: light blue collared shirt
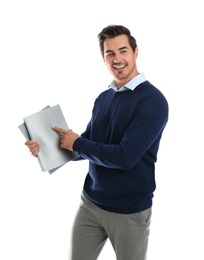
x: 131, y: 85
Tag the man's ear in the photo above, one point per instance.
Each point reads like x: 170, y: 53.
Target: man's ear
x: 136, y: 52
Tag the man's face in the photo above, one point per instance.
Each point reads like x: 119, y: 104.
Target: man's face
x: 120, y: 59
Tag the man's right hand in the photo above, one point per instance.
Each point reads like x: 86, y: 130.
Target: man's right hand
x: 33, y: 146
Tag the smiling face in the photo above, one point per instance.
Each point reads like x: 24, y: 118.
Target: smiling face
x: 120, y: 59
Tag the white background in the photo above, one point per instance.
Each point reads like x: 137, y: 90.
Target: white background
x: 49, y: 54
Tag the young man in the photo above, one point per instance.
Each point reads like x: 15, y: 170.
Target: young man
x: 121, y: 142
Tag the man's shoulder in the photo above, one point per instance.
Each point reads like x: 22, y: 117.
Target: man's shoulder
x: 149, y: 87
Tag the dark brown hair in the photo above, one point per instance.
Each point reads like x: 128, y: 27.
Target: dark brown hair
x: 111, y: 31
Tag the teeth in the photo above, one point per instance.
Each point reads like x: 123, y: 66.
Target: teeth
x: 118, y: 67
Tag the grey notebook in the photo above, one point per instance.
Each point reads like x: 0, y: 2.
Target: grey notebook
x: 38, y: 127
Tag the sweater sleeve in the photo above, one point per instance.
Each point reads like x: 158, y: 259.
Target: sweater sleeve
x: 144, y: 131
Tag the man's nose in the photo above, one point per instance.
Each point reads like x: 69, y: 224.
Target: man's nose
x: 117, y: 58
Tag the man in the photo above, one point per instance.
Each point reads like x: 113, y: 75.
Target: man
x: 121, y: 142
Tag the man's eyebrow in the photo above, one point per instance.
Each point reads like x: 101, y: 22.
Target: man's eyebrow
x: 122, y: 48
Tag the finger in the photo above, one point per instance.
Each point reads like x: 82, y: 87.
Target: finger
x: 28, y: 142
x: 31, y: 143
x: 58, y: 129
x: 35, y: 153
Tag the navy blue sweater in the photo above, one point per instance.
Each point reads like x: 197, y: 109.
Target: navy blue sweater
x: 121, y: 143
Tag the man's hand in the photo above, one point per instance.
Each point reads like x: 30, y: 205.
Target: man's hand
x: 67, y: 139
x: 33, y: 146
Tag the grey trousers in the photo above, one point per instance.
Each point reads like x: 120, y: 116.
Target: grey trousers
x: 128, y: 233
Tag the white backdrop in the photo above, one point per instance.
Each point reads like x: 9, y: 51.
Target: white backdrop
x: 49, y: 54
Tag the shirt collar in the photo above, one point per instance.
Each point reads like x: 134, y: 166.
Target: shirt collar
x: 131, y: 85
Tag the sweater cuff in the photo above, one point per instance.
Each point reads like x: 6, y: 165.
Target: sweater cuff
x: 77, y: 144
